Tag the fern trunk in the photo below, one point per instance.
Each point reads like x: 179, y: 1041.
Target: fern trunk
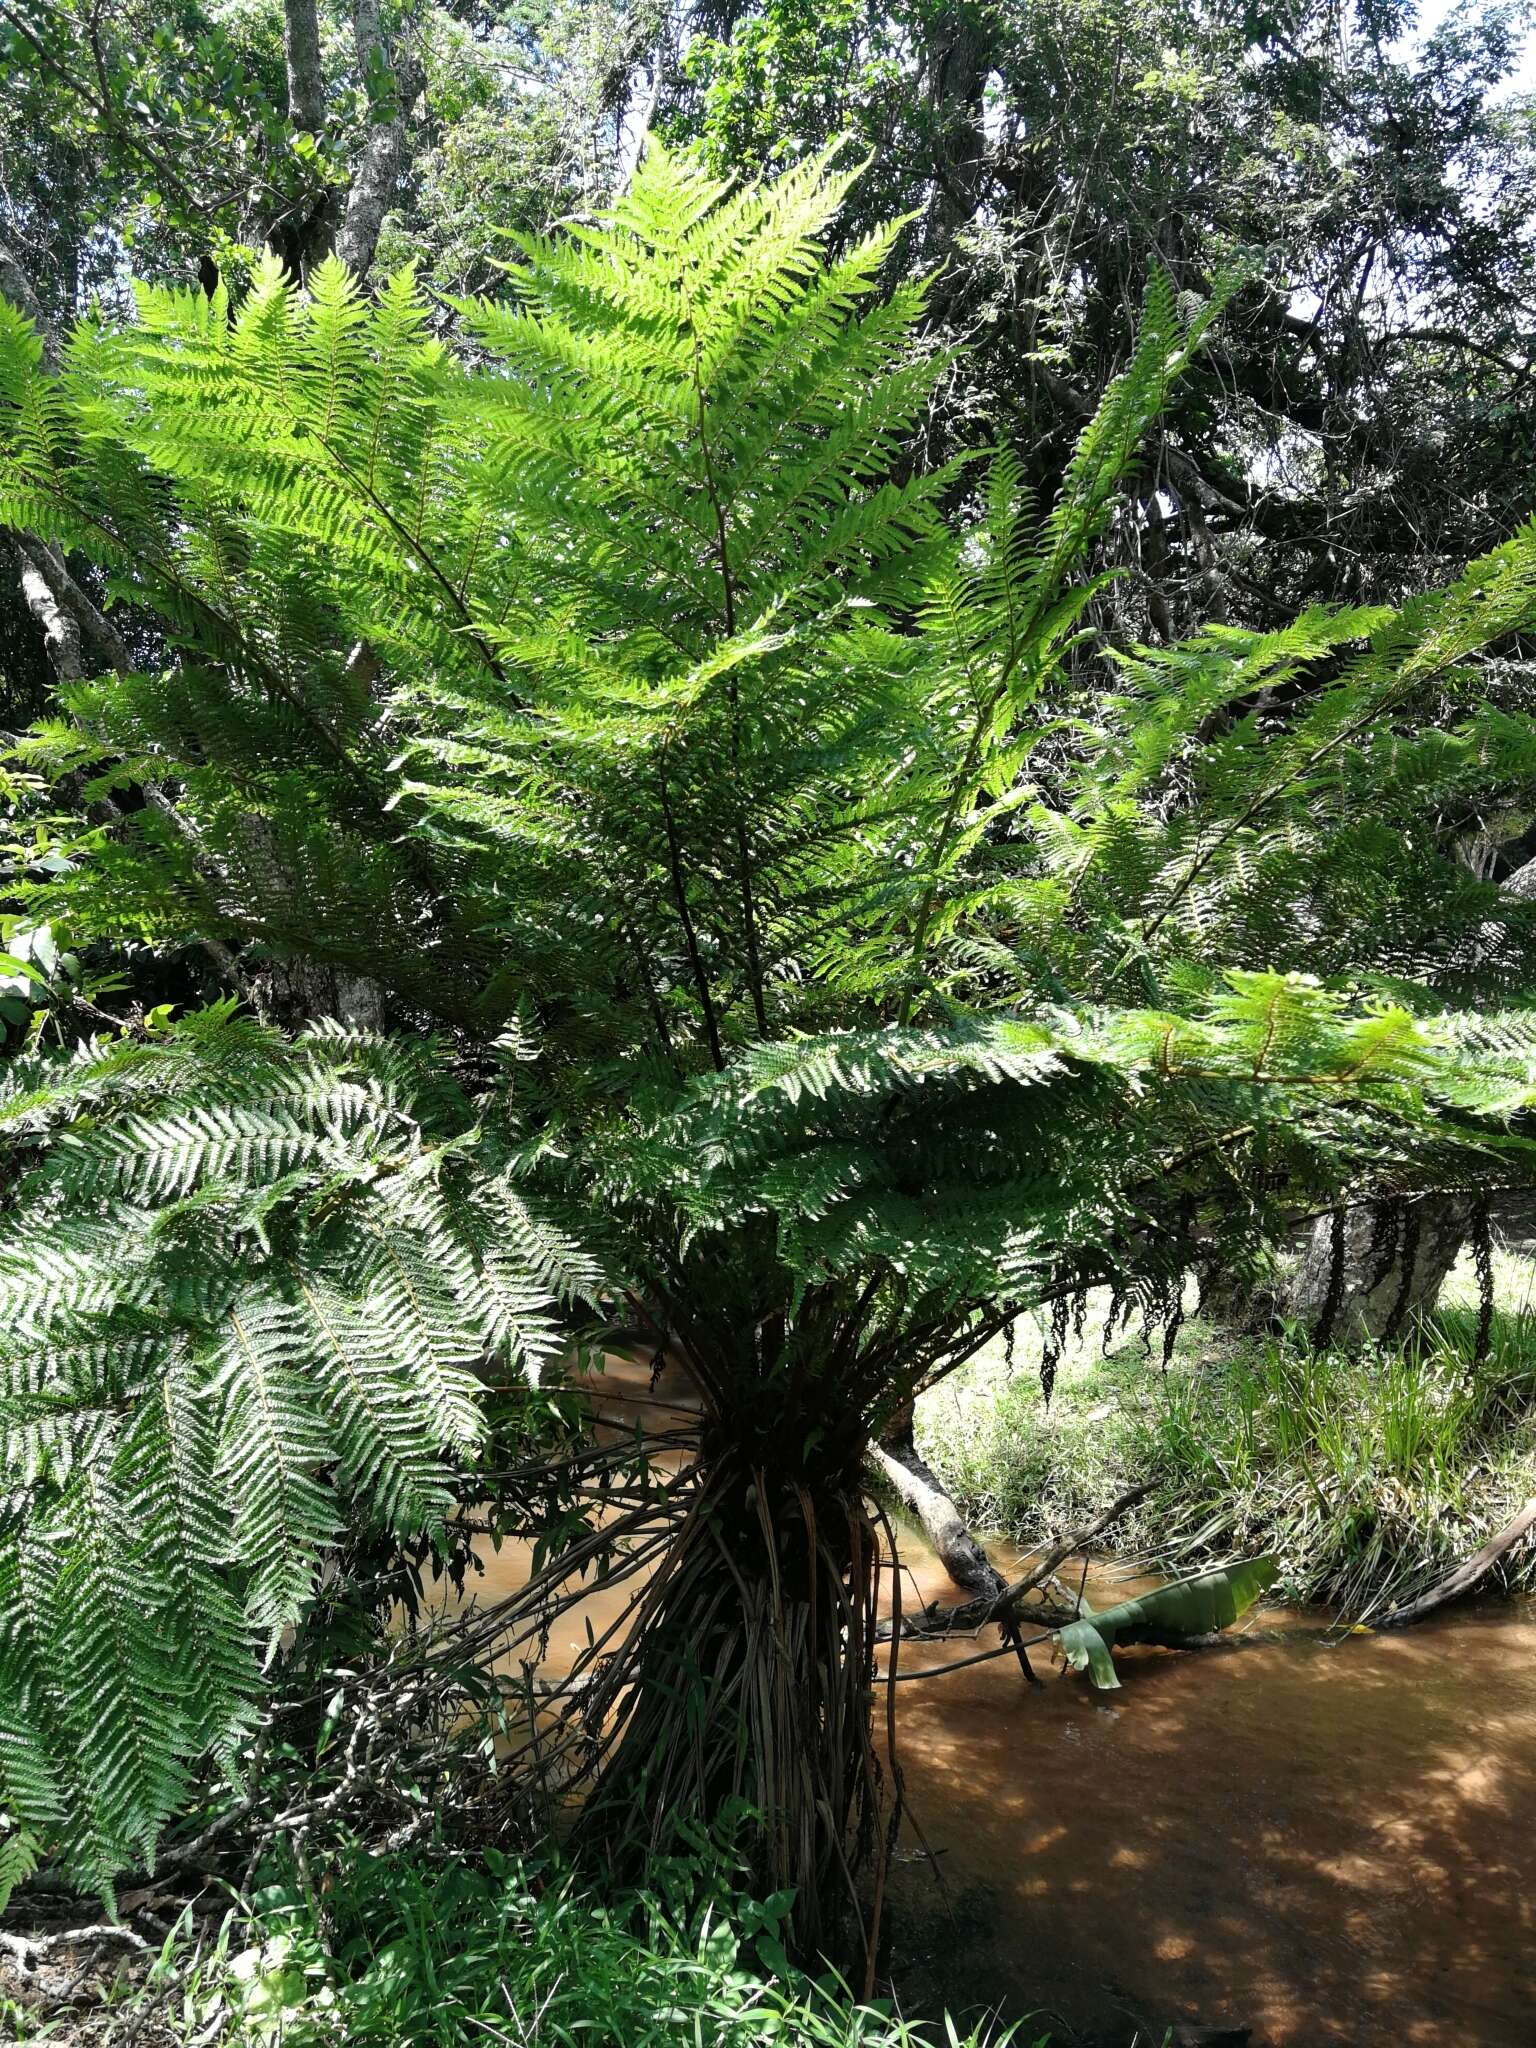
x: 744, y: 1703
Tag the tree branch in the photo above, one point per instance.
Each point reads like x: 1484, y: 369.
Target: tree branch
x: 974, y: 1615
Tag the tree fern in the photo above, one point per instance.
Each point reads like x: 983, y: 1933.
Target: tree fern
x: 247, y: 1295
x: 842, y: 949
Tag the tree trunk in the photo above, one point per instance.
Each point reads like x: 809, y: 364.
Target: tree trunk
x: 78, y: 637
x: 301, y: 52
x: 1377, y: 1269
x: 746, y: 1688
x: 897, y: 1459
x: 373, y: 186
x: 957, y: 58
x: 297, y: 992
x: 391, y: 86
x: 61, y: 635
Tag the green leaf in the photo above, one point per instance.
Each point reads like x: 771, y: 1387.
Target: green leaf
x: 18, y: 1860
x: 1086, y: 1650
x: 1172, y: 1616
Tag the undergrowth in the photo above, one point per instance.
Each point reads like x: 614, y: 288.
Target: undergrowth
x: 428, y: 1947
x: 1368, y: 1473
x: 492, y: 1950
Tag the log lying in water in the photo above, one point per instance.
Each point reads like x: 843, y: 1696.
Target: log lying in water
x: 1465, y: 1576
x: 923, y: 1494
x: 1003, y: 1607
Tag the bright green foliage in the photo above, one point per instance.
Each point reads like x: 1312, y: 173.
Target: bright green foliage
x: 250, y: 1289
x: 615, y: 689
x: 987, y: 1162
x: 463, y: 655
x: 588, y: 673
x: 1174, y: 1614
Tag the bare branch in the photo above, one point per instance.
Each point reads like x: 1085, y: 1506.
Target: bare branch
x: 28, y: 1949
x: 95, y: 630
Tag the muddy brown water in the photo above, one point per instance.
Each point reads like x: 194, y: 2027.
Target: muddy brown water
x: 1327, y: 1837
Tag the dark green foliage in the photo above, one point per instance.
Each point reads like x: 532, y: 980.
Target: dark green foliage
x: 1362, y: 425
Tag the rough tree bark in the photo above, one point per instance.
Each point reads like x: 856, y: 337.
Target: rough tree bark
x: 61, y: 635
x: 346, y: 224
x: 1392, y: 1270
x: 304, y: 232
x: 392, y: 85
x: 306, y: 78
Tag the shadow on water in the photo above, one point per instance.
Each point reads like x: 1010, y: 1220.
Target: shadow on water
x: 1329, y: 1838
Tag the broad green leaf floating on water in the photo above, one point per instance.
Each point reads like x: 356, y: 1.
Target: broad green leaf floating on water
x: 1172, y: 1616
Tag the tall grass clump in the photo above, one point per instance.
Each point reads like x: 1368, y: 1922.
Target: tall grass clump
x: 1367, y: 1471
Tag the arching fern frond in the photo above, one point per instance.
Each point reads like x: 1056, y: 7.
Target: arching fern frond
x: 251, y: 1292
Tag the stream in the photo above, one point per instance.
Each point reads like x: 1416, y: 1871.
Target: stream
x: 1326, y: 1836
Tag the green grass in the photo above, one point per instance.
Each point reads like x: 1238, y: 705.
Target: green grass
x: 425, y: 1953
x: 1368, y: 1474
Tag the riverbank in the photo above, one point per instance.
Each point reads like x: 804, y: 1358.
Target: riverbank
x: 1367, y: 1475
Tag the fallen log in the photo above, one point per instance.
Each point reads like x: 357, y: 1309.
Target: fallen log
x: 923, y: 1494
x: 30, y: 1949
x: 1465, y: 1576
x: 1004, y: 1607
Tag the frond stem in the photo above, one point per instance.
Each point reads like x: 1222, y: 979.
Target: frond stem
x: 733, y: 694
x: 685, y: 917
